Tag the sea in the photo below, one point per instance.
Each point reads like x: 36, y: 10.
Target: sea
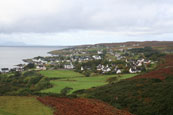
x: 11, y: 56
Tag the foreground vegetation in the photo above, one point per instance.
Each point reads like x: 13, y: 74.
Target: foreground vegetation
x: 23, y: 83
x: 141, y: 96
x: 148, y: 94
x: 15, y: 105
x: 52, y: 81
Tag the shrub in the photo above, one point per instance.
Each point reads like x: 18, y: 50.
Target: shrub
x: 65, y: 91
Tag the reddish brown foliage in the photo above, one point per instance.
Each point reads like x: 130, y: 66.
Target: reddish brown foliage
x: 78, y: 106
x: 162, y: 71
x: 168, y: 61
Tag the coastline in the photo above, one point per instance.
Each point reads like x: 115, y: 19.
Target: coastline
x: 14, y: 55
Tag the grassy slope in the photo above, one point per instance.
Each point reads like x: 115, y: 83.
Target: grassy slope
x: 15, y: 105
x: 148, y: 94
x: 76, y: 80
x: 80, y: 106
x: 60, y: 73
x: 77, y: 83
x: 140, y: 96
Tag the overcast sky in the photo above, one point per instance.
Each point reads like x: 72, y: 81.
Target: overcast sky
x: 73, y: 22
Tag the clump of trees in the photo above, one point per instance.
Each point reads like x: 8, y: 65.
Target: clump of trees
x: 30, y: 66
x: 65, y: 91
x: 148, y: 52
x: 23, y: 84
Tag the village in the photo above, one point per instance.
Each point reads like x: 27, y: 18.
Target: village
x: 90, y: 59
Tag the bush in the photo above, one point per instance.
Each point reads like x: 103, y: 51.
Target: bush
x: 65, y: 91
x: 87, y: 73
x: 140, y: 96
x: 30, y: 66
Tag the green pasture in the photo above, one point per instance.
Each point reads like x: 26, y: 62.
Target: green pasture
x: 76, y: 80
x: 60, y: 74
x: 17, y: 105
x: 77, y: 83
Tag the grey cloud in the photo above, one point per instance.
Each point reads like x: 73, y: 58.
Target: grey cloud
x: 148, y: 16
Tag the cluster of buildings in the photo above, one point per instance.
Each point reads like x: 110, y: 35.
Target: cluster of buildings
x: 131, y: 66
x: 68, y: 59
x: 17, y: 68
x: 107, y: 69
x: 136, y: 66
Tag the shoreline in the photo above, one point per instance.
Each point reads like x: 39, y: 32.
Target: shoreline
x: 20, y: 61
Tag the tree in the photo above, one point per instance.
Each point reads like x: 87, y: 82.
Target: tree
x: 17, y: 74
x: 87, y: 73
x: 30, y: 66
x: 66, y: 90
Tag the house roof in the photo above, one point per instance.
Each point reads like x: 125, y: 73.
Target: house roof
x: 3, y: 69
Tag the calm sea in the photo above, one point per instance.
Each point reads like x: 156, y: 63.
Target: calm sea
x: 10, y: 56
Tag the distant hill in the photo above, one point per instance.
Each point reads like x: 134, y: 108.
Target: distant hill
x: 145, y: 43
x: 135, y: 43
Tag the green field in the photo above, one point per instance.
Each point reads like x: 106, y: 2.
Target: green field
x: 17, y: 105
x: 60, y: 74
x: 76, y: 80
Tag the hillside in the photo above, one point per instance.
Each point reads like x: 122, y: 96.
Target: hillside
x: 145, y: 43
x: 67, y: 106
x: 122, y: 79
x: 141, y: 95
x: 162, y: 71
x: 23, y: 105
x: 134, y: 43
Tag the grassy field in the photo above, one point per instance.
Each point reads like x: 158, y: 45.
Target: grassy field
x: 76, y: 80
x: 17, y: 105
x: 126, y: 76
x: 60, y: 74
x: 77, y: 83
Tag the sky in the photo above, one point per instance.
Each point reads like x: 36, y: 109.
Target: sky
x: 75, y: 22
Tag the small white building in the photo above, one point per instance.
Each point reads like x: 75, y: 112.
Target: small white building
x: 99, y: 67
x: 40, y: 67
x: 139, y: 64
x: 97, y: 57
x: 20, y: 67
x: 132, y: 71
x: 99, y: 52
x: 5, y: 70
x: 118, y: 71
x: 69, y: 66
x: 106, y: 69
x: 82, y: 69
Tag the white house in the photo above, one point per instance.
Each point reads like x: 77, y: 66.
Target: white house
x: 132, y: 71
x: 97, y: 57
x: 20, y: 67
x: 69, y: 66
x: 82, y: 69
x: 40, y: 67
x: 118, y: 71
x: 99, y: 67
x: 106, y: 69
x: 139, y: 64
x: 99, y: 52
x: 5, y: 70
